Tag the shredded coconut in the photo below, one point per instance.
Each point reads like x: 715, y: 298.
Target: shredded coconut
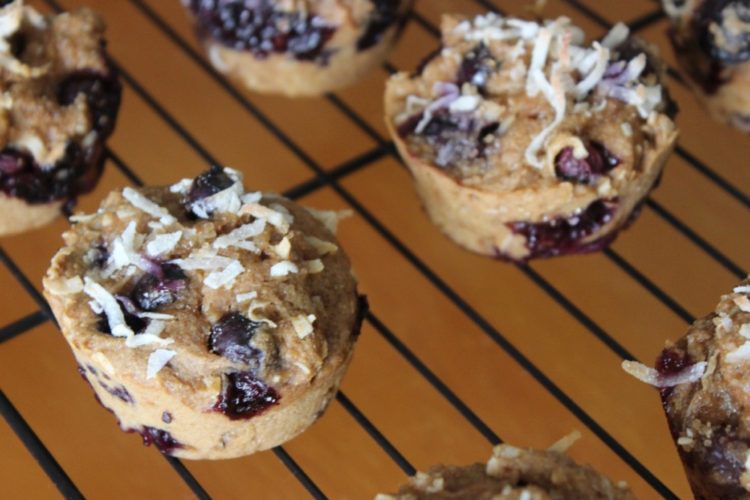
x: 141, y: 202
x: 283, y: 268
x: 314, y: 266
x: 321, y: 246
x: 158, y: 360
x: 65, y: 286
x: 618, y: 34
x: 240, y: 237
x: 743, y: 303
x: 163, y: 243
x: 303, y: 324
x: 330, y: 218
x: 110, y: 307
x: 283, y: 248
x: 225, y: 277
x: 245, y: 297
x: 688, y: 375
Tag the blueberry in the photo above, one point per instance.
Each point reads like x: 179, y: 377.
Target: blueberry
x: 208, y: 183
x: 230, y: 337
x: 162, y: 439
x: 477, y: 67
x: 103, y: 94
x: 585, y: 170
x: 563, y: 235
x: 245, y: 396
x: 166, y: 417
x: 385, y: 13
x: 261, y: 28
x: 151, y: 292
x: 724, y: 30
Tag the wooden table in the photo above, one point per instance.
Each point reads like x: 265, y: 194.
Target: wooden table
x: 459, y: 351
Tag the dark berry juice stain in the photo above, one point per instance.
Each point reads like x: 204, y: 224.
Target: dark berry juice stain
x: 259, y: 27
x: 245, y: 396
x: 453, y: 138
x: 121, y: 393
x: 670, y: 362
x: 152, y: 292
x: 385, y: 13
x: 79, y: 169
x: 477, y: 66
x: 102, y: 94
x: 724, y: 43
x: 230, y: 337
x: 586, y: 170
x: 563, y: 235
x: 163, y: 440
x: 99, y: 254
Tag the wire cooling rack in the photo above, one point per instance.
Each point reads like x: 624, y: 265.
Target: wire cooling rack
x: 458, y: 353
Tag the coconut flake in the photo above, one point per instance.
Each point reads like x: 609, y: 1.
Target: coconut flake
x: 182, y: 186
x: 239, y: 236
x: 688, y: 375
x: 163, y: 243
x: 465, y: 104
x: 741, y: 354
x: 283, y: 268
x: 245, y: 297
x: 65, y: 286
x: 225, y: 277
x: 253, y: 315
x: 203, y: 259
x: 595, y: 75
x: 283, y: 248
x: 742, y: 289
x: 303, y: 325
x: 618, y: 34
x: 110, y: 307
x: 158, y: 360
x: 330, y: 218
x: 149, y: 336
x: 323, y: 247
x: 275, y: 218
x: 314, y: 266
x: 141, y: 202
x: 251, y: 197
x: 743, y: 303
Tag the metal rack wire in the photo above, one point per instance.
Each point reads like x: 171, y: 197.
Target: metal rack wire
x: 331, y: 179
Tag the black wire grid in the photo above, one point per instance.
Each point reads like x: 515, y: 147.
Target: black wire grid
x: 331, y: 179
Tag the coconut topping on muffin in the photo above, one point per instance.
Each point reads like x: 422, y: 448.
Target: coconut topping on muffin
x: 242, y: 267
x: 539, y: 79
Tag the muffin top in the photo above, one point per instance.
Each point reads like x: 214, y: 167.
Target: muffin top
x: 201, y: 286
x: 508, y: 104
x: 304, y: 29
x: 45, y: 62
x: 512, y: 473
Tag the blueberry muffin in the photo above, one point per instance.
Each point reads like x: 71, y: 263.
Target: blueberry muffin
x: 711, y: 40
x: 212, y: 321
x: 703, y: 381
x: 512, y: 473
x: 60, y: 98
x: 297, y: 47
x: 524, y: 142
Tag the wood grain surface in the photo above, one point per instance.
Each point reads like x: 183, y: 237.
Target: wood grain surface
x: 459, y: 352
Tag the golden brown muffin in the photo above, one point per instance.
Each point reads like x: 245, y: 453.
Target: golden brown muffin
x: 60, y: 98
x: 214, y: 322
x: 524, y: 142
x: 711, y: 40
x: 512, y: 473
x: 297, y: 47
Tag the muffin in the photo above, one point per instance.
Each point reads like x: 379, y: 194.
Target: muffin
x: 297, y: 47
x: 214, y: 322
x: 60, y: 97
x: 512, y: 473
x: 525, y: 143
x: 703, y: 380
x: 711, y: 40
